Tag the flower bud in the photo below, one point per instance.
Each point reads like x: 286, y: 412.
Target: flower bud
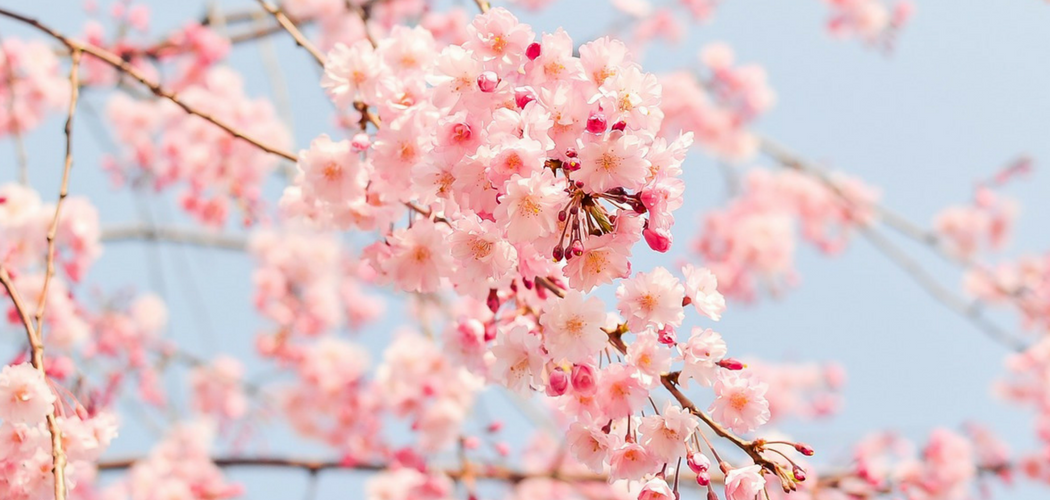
x: 558, y: 382
x: 487, y: 81
x: 493, y: 300
x: 558, y: 253
x: 572, y: 165
x: 562, y: 215
x: 533, y: 51
x: 800, y: 475
x: 804, y: 449
x: 523, y: 96
x: 666, y: 335
x: 571, y: 153
x: 360, y: 142
x: 576, y: 248
x: 583, y: 382
x: 495, y: 426
x: 732, y: 364
x: 490, y: 331
x: 698, y: 462
x: 659, y: 241
x: 596, y: 123
x: 703, y: 478
x: 620, y: 126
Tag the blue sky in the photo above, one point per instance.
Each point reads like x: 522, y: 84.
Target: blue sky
x: 964, y: 93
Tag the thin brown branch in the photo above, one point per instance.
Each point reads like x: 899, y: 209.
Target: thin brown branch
x: 63, y: 191
x: 290, y: 27
x: 36, y: 346
x: 483, y: 5
x: 16, y: 130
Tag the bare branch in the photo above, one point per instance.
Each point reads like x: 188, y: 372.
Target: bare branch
x: 185, y: 236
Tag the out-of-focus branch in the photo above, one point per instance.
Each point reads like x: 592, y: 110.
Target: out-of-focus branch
x: 969, y: 310
x: 184, y: 236
x: 483, y: 5
x: 290, y: 27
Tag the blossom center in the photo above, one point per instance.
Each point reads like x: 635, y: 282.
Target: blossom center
x: 738, y: 401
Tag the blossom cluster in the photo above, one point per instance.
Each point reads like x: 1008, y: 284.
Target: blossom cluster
x: 752, y: 240
x: 162, y: 146
x: 31, y: 85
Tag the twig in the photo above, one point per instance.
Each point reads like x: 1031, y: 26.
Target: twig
x: 483, y: 5
x: 36, y: 346
x: 290, y: 27
x: 16, y: 130
x: 63, y: 192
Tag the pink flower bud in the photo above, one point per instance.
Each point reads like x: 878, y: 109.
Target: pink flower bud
x: 558, y: 382
x: 703, y: 478
x: 523, y: 96
x: 620, y: 126
x: 731, y: 364
x: 576, y: 248
x: 487, y: 81
x: 804, y: 449
x: 596, y: 123
x: 583, y: 380
x: 800, y: 475
x: 493, y: 300
x: 667, y: 336
x: 495, y: 426
x: 360, y: 142
x: 558, y: 253
x: 698, y: 462
x: 533, y: 51
x: 657, y: 240
x: 571, y: 152
x: 572, y: 165
x: 471, y: 442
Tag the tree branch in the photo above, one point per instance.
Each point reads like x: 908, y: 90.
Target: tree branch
x: 185, y: 236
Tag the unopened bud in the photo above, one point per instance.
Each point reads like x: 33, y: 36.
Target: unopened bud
x: 562, y: 215
x: 523, y: 96
x: 620, y: 126
x: 583, y: 382
x: 360, y: 142
x: 558, y: 382
x: 493, y: 300
x: 800, y: 475
x: 577, y: 248
x: 572, y: 165
x: 596, y: 123
x: 487, y: 81
x: 558, y: 253
x: 659, y: 241
x: 533, y: 51
x: 667, y: 336
x: 571, y: 152
x: 703, y: 478
x: 698, y: 462
x: 804, y: 449
x: 731, y: 364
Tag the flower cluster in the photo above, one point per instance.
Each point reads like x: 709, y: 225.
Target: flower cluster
x: 719, y: 106
x: 24, y: 223
x: 984, y: 225
x: 162, y: 145
x: 519, y: 150
x: 752, y: 240
x: 31, y: 85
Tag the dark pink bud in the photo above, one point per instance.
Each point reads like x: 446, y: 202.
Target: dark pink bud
x: 572, y: 165
x: 657, y: 240
x: 495, y: 426
x: 570, y: 153
x: 487, y: 81
x: 527, y: 283
x: 703, y: 478
x: 731, y: 364
x: 490, y: 331
x: 649, y: 198
x: 667, y: 336
x: 523, y: 96
x: 804, y: 449
x: 596, y: 123
x: 562, y: 216
x: 576, y: 248
x: 493, y: 300
x: 558, y: 382
x: 620, y: 126
x: 800, y: 475
x: 461, y: 132
x: 533, y: 51
x: 698, y: 462
x: 558, y: 253
x: 583, y: 382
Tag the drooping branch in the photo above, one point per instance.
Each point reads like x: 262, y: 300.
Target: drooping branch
x: 290, y: 27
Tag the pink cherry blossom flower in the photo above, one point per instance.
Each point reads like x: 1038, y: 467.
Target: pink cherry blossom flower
x: 745, y: 483
x: 518, y: 362
x: 620, y: 393
x: 665, y: 435
x: 572, y: 328
x: 651, y: 300
x: 24, y: 395
x: 529, y: 209
x: 701, y: 287
x: 701, y: 353
x: 740, y: 402
x: 631, y: 461
x: 610, y: 161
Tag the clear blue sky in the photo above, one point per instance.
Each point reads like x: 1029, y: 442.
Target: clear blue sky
x: 965, y: 92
